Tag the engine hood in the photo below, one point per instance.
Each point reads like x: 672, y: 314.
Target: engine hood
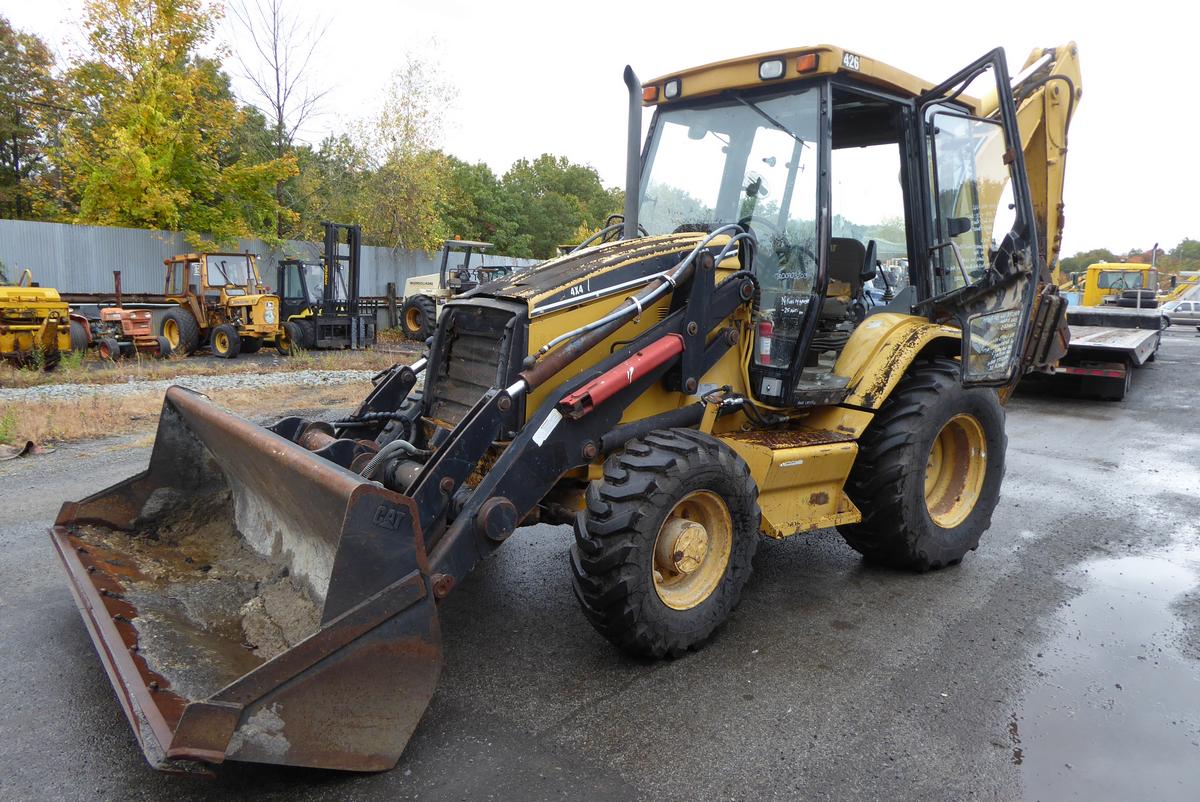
x: 590, y: 270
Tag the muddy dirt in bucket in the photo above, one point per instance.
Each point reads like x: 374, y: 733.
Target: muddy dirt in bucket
x: 209, y: 608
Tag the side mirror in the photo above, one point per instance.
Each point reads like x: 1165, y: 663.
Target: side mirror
x: 869, y: 264
x: 956, y: 226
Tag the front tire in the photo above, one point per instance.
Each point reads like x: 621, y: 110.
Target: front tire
x: 928, y: 472
x: 289, y: 340
x: 419, y: 317
x: 666, y: 543
x: 225, y: 342
x: 109, y: 348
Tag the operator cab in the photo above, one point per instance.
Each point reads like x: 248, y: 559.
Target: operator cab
x: 836, y: 177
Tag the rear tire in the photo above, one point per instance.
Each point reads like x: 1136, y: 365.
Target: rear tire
x: 79, y: 336
x: 225, y: 342
x: 181, y: 331
x: 419, y: 317
x: 928, y: 472
x: 649, y: 595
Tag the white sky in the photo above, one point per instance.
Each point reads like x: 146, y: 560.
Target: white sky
x: 536, y: 77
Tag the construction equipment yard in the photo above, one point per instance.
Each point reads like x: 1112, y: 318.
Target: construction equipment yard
x: 1060, y: 660
x: 803, y: 464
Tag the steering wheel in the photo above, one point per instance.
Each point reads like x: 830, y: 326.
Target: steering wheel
x: 777, y: 241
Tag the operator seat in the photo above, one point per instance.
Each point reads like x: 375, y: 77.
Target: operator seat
x: 847, y: 259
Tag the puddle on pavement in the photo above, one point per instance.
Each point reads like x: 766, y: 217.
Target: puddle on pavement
x: 1113, y: 712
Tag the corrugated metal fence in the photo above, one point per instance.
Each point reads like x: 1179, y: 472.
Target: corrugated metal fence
x: 81, y: 259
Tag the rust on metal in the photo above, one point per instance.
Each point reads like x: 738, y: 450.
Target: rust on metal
x: 776, y: 439
x: 251, y: 601
x: 820, y: 498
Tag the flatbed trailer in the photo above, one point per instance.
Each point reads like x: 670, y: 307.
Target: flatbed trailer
x: 1107, y: 344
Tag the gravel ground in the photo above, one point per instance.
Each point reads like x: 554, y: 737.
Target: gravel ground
x: 1057, y: 662
x: 236, y: 381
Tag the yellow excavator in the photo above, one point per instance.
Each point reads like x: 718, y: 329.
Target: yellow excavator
x: 715, y: 374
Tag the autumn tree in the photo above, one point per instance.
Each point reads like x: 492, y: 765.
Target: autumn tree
x: 29, y: 113
x: 158, y: 143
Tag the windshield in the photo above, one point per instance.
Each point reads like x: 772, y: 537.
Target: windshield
x: 751, y: 162
x: 1120, y: 279
x: 231, y: 270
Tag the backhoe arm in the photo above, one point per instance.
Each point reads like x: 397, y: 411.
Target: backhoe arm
x: 1047, y: 93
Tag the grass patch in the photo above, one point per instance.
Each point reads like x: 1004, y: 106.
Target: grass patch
x: 93, y: 416
x: 8, y: 427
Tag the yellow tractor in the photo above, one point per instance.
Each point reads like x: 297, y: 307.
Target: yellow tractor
x: 714, y: 375
x: 36, y: 325
x: 220, y: 301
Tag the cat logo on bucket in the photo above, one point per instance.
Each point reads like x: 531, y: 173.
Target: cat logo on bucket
x: 388, y: 517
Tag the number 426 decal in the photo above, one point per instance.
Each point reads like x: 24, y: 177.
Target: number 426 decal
x: 850, y: 61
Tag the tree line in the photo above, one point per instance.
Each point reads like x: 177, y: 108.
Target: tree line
x: 1184, y: 256
x: 144, y: 129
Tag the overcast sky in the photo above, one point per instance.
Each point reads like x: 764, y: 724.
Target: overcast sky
x: 535, y: 77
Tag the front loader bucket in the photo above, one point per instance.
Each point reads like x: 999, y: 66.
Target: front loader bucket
x: 252, y: 601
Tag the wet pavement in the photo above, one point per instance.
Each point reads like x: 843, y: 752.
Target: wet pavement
x: 1062, y: 660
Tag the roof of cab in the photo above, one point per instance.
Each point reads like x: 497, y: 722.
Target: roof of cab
x: 743, y: 72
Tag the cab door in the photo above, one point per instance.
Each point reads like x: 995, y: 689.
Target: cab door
x: 983, y: 260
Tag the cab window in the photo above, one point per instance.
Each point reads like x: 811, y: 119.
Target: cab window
x: 972, y: 196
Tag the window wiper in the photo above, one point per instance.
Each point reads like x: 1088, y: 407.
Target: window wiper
x: 770, y: 119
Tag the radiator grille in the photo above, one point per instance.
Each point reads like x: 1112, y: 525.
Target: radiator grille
x: 473, y: 359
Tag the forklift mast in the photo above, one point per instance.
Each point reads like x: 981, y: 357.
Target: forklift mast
x: 337, y: 234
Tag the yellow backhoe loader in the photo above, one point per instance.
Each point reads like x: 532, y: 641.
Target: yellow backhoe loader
x: 715, y: 374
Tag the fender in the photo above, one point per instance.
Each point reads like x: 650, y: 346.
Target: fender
x: 881, y: 349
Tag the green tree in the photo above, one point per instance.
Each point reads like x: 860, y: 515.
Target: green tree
x: 557, y: 202
x: 29, y: 113
x: 278, y: 65
x: 1080, y: 261
x: 162, y: 142
x: 476, y: 206
x: 1188, y: 249
x: 404, y: 183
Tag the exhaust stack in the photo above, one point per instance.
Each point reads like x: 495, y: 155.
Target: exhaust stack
x: 633, y: 155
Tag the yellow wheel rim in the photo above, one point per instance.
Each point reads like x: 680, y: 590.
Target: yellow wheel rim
x: 221, y: 341
x: 955, y: 471
x: 284, y: 341
x: 412, y: 319
x: 171, y: 332
x: 691, y: 552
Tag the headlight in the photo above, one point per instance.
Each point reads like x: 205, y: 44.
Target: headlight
x: 767, y: 70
